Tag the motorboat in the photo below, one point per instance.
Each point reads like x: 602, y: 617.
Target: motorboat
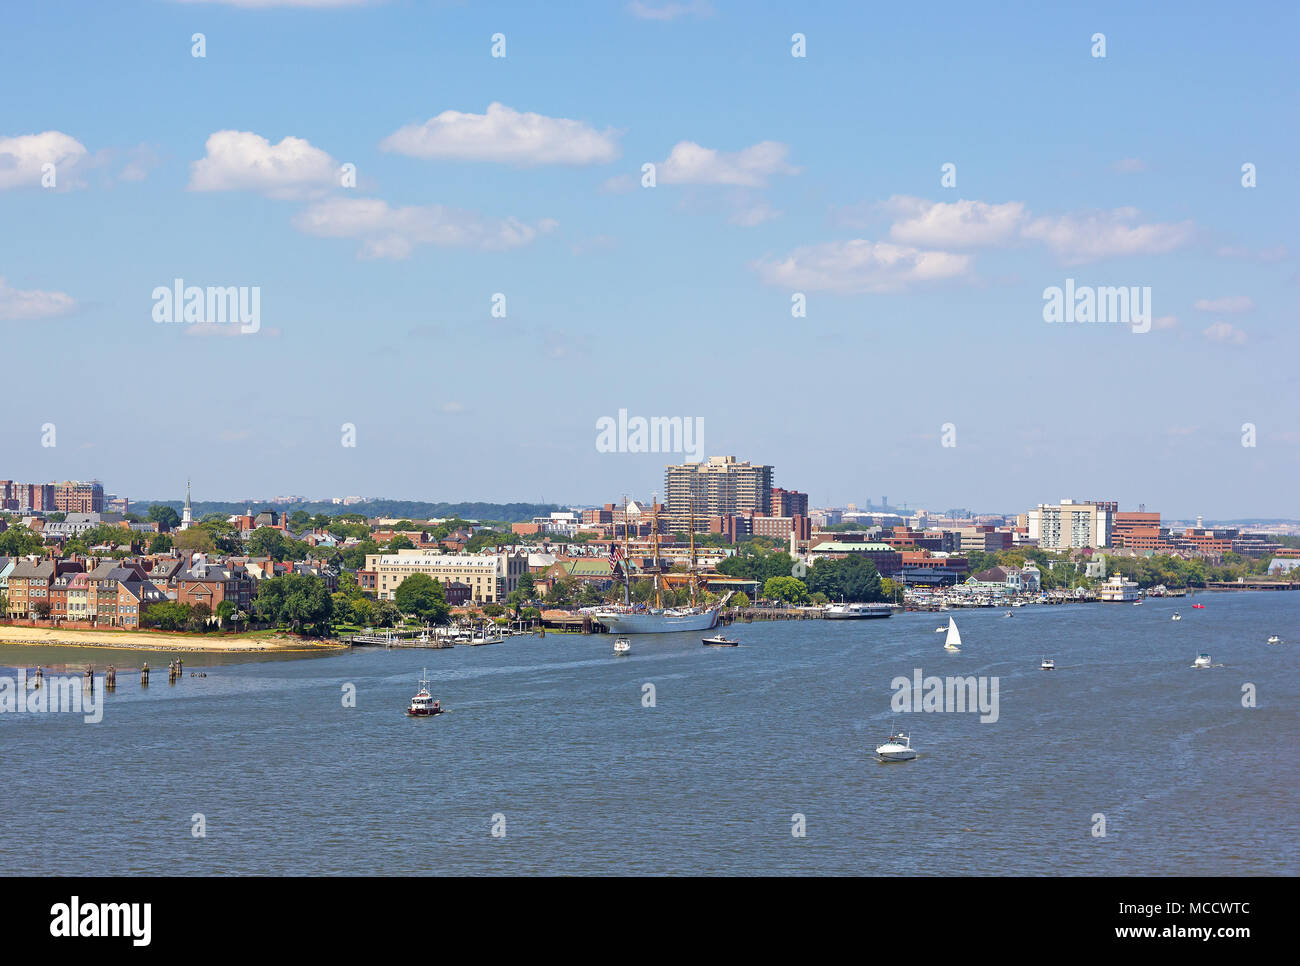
x: 719, y: 641
x: 941, y: 630
x: 953, y: 642
x: 1198, y: 607
x: 1008, y: 614
x: 622, y: 646
x: 897, y: 748
x: 1202, y: 660
x: 1176, y: 616
x: 423, y: 705
x: 1275, y: 639
x: 1048, y: 664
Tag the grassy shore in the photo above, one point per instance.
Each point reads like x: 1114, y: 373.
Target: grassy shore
x: 172, y: 641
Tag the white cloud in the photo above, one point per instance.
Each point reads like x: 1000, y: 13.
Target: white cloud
x: 1165, y: 322
x: 1085, y: 237
x: 16, y: 304
x: 1231, y: 304
x: 689, y: 163
x: 858, y: 266
x: 386, y: 232
x: 668, y: 11
x: 244, y: 161
x: 22, y: 156
x: 1225, y: 332
x: 957, y: 224
x: 504, y: 135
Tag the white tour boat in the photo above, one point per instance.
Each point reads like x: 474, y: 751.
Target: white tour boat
x: 622, y: 646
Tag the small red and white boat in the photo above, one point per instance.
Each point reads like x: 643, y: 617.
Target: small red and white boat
x: 1198, y: 607
x: 423, y: 705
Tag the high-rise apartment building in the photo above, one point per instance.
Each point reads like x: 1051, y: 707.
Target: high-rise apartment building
x: 1068, y: 524
x: 74, y: 496
x: 721, y: 486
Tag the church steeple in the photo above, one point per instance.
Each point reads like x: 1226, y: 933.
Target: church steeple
x: 187, y: 515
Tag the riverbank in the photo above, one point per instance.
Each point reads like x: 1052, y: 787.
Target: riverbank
x: 150, y: 641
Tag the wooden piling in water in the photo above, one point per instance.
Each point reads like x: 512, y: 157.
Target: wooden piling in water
x: 110, y: 679
x: 89, y: 684
x: 144, y: 675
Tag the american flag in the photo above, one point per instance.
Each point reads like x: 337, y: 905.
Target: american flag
x: 615, y: 555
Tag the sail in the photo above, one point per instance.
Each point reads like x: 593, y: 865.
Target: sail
x: 954, y: 636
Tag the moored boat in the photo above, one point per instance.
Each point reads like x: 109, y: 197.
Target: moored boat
x: 858, y: 611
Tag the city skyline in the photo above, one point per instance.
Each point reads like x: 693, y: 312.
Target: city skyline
x: 777, y: 175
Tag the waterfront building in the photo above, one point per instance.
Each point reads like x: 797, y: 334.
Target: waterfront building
x: 491, y: 576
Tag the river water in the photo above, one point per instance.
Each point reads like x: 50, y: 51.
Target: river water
x: 550, y: 744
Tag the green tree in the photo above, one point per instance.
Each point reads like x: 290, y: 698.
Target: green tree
x: 853, y: 578
x: 740, y: 599
x: 300, y: 601
x: 527, y: 587
x: 161, y: 543
x: 169, y: 518
x: 423, y: 597
x: 791, y: 590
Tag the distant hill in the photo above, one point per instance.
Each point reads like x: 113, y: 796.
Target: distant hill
x: 401, y: 509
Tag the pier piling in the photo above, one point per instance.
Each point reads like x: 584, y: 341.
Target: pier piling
x: 144, y: 675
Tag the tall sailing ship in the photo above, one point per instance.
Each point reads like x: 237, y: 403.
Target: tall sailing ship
x: 628, y: 619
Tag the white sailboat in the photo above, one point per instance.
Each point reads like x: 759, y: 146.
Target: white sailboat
x: 953, y: 641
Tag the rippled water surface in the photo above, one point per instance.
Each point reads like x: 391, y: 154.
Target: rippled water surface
x: 552, y: 735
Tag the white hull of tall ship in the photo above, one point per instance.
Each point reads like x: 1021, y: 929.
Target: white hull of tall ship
x: 664, y: 622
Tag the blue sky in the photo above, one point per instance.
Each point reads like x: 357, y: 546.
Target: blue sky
x: 775, y: 175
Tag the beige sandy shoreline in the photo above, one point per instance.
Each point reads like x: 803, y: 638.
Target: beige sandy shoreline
x: 136, y: 641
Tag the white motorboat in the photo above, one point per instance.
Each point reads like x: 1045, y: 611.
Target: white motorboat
x: 1176, y: 616
x: 941, y: 630
x: 897, y: 748
x: 1202, y: 660
x: 1048, y: 664
x: 953, y: 642
x: 1275, y: 639
x: 622, y: 646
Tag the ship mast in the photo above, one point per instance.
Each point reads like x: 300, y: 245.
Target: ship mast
x: 627, y: 561
x: 691, y: 576
x: 656, y: 526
